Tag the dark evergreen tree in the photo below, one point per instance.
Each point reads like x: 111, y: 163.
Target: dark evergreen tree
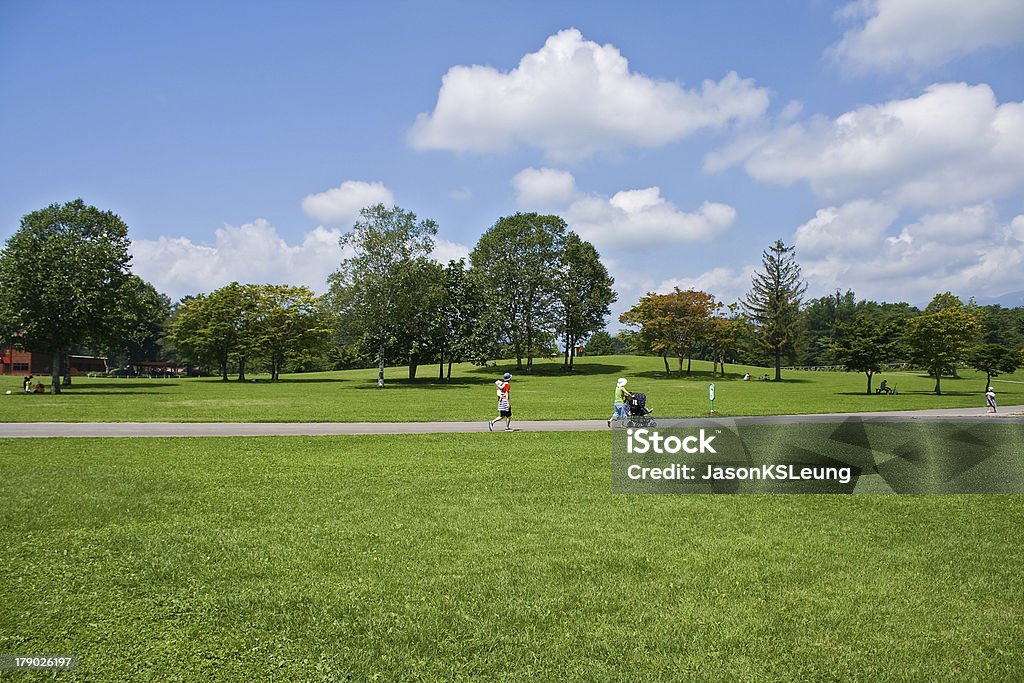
x: 773, y: 304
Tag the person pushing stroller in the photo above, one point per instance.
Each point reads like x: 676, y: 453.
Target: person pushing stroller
x: 621, y: 396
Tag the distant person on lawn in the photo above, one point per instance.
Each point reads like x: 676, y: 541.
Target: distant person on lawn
x: 504, y: 403
x: 621, y: 395
x: 990, y: 399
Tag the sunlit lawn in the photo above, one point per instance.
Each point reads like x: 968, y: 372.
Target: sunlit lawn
x: 548, y: 394
x: 483, y: 557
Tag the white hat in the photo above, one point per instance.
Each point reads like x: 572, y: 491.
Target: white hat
x: 498, y: 383
x: 991, y: 389
x: 621, y: 382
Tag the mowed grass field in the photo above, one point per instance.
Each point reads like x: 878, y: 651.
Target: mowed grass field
x: 497, y: 557
x: 547, y: 394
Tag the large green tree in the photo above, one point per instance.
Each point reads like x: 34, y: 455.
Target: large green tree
x: 942, y: 336
x: 518, y: 261
x: 378, y: 293
x: 63, y: 279
x: 585, y: 294
x: 773, y: 304
x: 994, y: 359
x: 673, y: 324
x: 290, y: 326
x: 864, y: 345
x: 461, y: 335
x: 140, y: 324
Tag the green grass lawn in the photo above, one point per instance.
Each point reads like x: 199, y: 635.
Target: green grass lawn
x: 486, y: 557
x: 548, y: 394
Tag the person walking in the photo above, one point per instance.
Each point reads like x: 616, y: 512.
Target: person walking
x: 504, y: 404
x: 990, y: 399
x: 621, y: 395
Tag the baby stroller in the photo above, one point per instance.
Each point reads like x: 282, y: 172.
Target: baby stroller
x: 636, y: 405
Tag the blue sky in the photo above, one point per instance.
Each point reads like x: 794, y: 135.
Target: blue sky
x: 884, y: 138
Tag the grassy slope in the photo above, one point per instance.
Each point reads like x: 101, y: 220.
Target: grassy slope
x: 487, y: 556
x: 548, y: 394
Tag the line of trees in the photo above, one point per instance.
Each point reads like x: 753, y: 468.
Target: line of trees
x: 772, y: 327
x: 530, y: 284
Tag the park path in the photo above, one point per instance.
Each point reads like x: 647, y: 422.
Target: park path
x: 164, y: 429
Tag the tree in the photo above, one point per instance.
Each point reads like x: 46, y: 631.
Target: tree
x: 725, y: 334
x: 994, y: 359
x: 585, y: 293
x: 217, y: 327
x: 63, y: 278
x: 863, y: 345
x: 672, y: 324
x: 940, y: 337
x: 518, y: 262
x: 460, y: 333
x: 600, y: 344
x: 289, y: 325
x: 821, y: 317
x: 773, y: 303
x: 375, y: 292
x: 139, y: 324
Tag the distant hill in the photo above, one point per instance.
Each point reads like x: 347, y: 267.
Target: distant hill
x: 1012, y: 300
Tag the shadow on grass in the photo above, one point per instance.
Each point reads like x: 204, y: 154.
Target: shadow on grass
x: 552, y: 369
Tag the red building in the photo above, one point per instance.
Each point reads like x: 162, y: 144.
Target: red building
x: 18, y: 362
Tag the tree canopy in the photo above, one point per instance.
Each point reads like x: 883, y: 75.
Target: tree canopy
x: 64, y: 279
x: 773, y: 304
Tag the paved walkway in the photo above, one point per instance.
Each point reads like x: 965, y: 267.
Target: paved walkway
x: 162, y: 429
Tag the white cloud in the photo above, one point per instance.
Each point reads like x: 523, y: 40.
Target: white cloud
x: 954, y: 144
x: 445, y: 251
x: 726, y: 284
x: 849, y: 229
x: 966, y: 251
x: 630, y: 219
x: 340, y: 206
x: 643, y: 218
x: 542, y: 188
x: 253, y: 253
x: 894, y: 34
x: 572, y: 98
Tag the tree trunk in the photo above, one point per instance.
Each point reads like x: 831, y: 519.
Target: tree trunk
x: 449, y: 369
x: 241, y: 369
x: 938, y: 381
x: 440, y: 369
x: 572, y: 356
x: 689, y: 364
x: 66, y: 382
x: 778, y: 366
x: 55, y: 374
x: 413, y: 364
x: 679, y: 373
x: 224, y: 368
x: 869, y: 374
x: 667, y: 371
x: 988, y: 380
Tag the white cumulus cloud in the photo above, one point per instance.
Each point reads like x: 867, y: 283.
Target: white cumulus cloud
x: 916, y: 34
x: 965, y: 250
x: 572, y: 98
x: 542, y: 188
x: 254, y: 253
x: 340, y: 206
x: 628, y: 219
x: 953, y: 144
